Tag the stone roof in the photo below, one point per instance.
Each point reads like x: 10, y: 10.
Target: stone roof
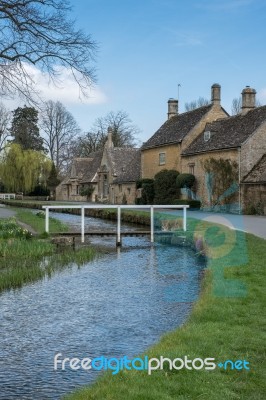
x: 132, y: 169
x: 258, y: 172
x: 90, y: 174
x: 176, y: 128
x: 228, y: 133
x: 119, y: 158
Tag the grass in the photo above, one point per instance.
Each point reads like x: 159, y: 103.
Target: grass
x: 37, y: 222
x: 24, y: 259
x: 228, y: 322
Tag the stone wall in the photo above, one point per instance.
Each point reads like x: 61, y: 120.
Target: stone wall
x: 199, y: 172
x: 119, y: 190
x: 254, y: 198
x: 253, y: 149
x: 150, y: 160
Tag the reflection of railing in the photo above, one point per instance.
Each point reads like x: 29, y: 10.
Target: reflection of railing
x: 7, y: 196
x: 118, y: 208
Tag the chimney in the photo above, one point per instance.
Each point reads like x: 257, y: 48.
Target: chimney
x: 172, y: 108
x: 248, y: 99
x: 109, y: 142
x: 216, y: 94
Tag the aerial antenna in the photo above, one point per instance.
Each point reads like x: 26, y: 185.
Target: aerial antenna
x: 178, y: 86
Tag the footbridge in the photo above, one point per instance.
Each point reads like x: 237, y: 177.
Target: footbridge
x: 118, y: 233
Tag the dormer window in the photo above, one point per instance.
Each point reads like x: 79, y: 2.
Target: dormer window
x: 207, y: 136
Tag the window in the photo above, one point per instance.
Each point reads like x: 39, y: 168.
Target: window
x: 161, y: 158
x: 191, y: 168
x: 120, y: 188
x: 207, y: 136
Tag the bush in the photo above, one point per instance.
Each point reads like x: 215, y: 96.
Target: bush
x: 147, y: 194
x: 185, y: 180
x: 165, y: 188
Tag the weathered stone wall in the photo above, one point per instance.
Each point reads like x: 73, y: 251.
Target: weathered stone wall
x: 199, y: 172
x: 150, y: 160
x: 253, y: 149
x: 118, y: 191
x: 254, y: 198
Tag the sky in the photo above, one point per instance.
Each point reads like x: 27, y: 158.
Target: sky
x: 147, y: 48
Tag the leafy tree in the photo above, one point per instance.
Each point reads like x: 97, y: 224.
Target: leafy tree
x: 53, y: 179
x: 165, y: 188
x: 196, y: 104
x: 21, y: 170
x: 40, y: 33
x: 124, y: 133
x: 4, y: 122
x: 59, y: 130
x: 24, y: 129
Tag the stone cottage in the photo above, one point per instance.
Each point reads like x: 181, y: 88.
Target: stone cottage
x: 115, y: 162
x: 163, y: 150
x: 83, y: 172
x: 110, y: 174
x: 240, y: 139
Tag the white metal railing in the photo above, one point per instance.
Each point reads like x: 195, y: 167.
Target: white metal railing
x: 7, y: 196
x: 118, y: 207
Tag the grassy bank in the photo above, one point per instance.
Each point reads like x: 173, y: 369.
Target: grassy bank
x: 224, y: 325
x: 37, y: 222
x: 25, y: 259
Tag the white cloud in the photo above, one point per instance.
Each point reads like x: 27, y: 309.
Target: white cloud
x: 65, y: 90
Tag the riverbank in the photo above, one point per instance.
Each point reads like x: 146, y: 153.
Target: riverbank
x: 25, y: 258
x: 220, y: 327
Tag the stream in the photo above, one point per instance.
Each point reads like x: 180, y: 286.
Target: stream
x: 117, y: 305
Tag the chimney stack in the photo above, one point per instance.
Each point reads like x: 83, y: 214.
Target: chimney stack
x: 172, y: 108
x: 216, y: 94
x: 109, y: 142
x: 248, y: 99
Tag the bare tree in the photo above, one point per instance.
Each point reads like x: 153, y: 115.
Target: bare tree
x: 124, y: 133
x: 5, y: 117
x: 40, y: 33
x: 237, y: 104
x: 196, y: 104
x: 58, y: 128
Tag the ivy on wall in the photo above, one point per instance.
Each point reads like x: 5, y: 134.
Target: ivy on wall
x: 221, y: 180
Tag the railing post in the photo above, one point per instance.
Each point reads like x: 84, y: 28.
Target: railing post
x: 47, y: 219
x: 82, y: 224
x: 118, y: 239
x: 152, y: 224
x: 184, y: 219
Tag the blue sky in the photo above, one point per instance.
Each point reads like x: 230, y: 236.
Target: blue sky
x: 148, y: 47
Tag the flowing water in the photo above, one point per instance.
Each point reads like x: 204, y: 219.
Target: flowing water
x: 117, y: 305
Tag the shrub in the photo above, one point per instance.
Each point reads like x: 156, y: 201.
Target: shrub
x: 185, y: 180
x: 165, y: 188
x: 147, y: 194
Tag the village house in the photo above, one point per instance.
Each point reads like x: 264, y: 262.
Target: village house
x: 107, y: 176
x: 163, y: 150
x: 240, y: 139
x: 83, y: 173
